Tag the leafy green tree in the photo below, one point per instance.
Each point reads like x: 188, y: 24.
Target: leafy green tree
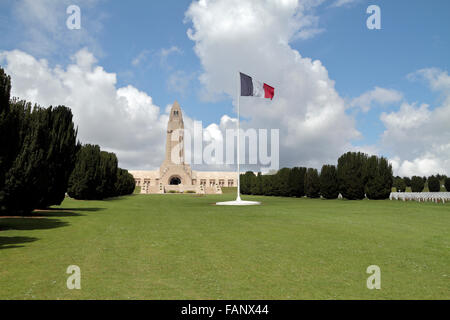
x: 379, y: 179
x: 434, y: 185
x: 399, y: 184
x: 417, y: 184
x: 350, y: 172
x: 329, y: 187
x: 312, y: 183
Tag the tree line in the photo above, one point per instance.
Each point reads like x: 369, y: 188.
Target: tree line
x: 417, y: 184
x: 96, y: 176
x: 356, y: 176
x: 39, y: 150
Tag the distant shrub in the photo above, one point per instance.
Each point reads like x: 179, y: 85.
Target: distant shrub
x: 173, y: 191
x: 190, y: 191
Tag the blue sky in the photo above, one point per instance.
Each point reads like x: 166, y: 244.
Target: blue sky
x: 145, y: 43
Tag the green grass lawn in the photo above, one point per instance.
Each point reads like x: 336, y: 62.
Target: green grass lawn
x: 184, y: 247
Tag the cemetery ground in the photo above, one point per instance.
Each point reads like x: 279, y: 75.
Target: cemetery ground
x: 182, y: 246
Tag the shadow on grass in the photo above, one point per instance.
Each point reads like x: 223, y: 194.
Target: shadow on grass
x: 30, y: 223
x: 14, y: 242
x: 72, y: 210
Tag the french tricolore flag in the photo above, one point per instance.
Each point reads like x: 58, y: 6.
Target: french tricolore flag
x: 255, y: 88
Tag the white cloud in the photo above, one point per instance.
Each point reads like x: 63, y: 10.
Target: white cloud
x: 340, y: 3
x: 161, y: 55
x: 141, y: 57
x: 123, y: 120
x: 379, y: 96
x: 419, y: 136
x: 179, y: 81
x: 165, y: 52
x: 253, y: 37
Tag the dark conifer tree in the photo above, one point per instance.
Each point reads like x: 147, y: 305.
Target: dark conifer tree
x: 312, y: 183
x: 61, y: 155
x: 417, y: 184
x: 329, y: 187
x: 379, y: 179
x: 434, y: 185
x: 86, y: 175
x: 257, y: 185
x: 125, y: 183
x: 447, y: 184
x: 350, y: 172
x: 282, y: 180
x: 399, y: 184
x: 296, y: 182
x: 407, y: 181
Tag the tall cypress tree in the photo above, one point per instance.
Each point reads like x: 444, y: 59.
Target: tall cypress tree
x: 399, y: 184
x: 61, y: 155
x: 86, y: 174
x: 417, y: 184
x: 108, y: 172
x: 434, y: 185
x: 329, y: 187
x: 312, y: 183
x: 447, y: 184
x: 26, y: 180
x: 282, y: 182
x: 125, y: 183
x: 350, y: 172
x: 5, y: 91
x: 246, y: 181
x: 5, y: 129
x: 268, y: 182
x: 296, y: 182
x: 379, y: 179
x: 257, y: 185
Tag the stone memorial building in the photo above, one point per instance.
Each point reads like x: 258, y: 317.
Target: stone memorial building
x: 175, y: 175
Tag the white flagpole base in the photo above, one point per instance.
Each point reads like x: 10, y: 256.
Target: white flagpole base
x: 238, y: 202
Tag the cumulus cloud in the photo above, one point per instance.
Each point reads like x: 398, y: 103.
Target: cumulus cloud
x: 418, y: 136
x: 253, y: 37
x: 123, y: 120
x: 377, y: 95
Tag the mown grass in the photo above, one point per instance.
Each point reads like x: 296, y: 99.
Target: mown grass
x: 182, y: 246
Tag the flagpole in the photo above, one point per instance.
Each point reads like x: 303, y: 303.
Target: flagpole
x: 238, y: 141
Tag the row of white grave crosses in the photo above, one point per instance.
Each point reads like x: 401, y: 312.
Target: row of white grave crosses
x: 438, y: 197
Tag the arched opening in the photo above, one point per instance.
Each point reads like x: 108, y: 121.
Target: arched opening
x: 174, y: 181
